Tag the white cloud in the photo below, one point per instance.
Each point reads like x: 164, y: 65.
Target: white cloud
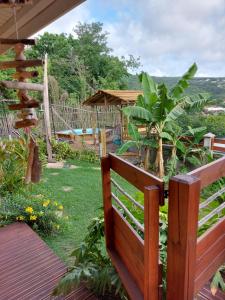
x: 67, y: 22
x: 167, y: 35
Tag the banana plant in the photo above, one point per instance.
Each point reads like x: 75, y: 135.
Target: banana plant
x: 139, y: 142
x: 159, y: 106
x: 174, y: 135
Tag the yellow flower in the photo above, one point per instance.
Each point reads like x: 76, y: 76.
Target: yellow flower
x: 20, y: 218
x: 46, y: 203
x: 33, y: 218
x: 29, y: 210
x: 60, y: 207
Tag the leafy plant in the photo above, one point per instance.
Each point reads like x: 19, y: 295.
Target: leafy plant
x: 159, y: 106
x: 44, y: 215
x: 218, y: 281
x: 13, y: 161
x: 92, y: 266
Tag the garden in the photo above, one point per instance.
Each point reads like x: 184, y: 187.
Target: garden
x: 65, y: 207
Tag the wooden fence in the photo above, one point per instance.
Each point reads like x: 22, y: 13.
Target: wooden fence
x: 83, y: 117
x: 136, y: 260
x: 192, y: 261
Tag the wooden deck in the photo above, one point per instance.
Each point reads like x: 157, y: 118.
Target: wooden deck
x: 205, y: 294
x: 29, y: 270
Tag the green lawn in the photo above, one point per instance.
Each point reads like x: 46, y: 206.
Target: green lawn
x: 79, y: 191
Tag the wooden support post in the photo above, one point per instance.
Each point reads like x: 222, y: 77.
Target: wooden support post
x: 151, y: 243
x: 184, y: 195
x: 122, y: 125
x: 107, y: 200
x: 46, y: 111
x: 102, y: 143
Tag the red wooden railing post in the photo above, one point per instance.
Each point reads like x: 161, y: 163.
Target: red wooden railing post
x: 184, y: 195
x: 107, y: 200
x: 151, y: 243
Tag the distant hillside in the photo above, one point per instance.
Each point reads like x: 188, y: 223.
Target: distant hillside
x: 214, y: 86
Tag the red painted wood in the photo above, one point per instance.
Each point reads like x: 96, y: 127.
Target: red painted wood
x: 151, y: 243
x: 29, y: 270
x: 136, y: 176
x: 210, y: 172
x: 182, y: 236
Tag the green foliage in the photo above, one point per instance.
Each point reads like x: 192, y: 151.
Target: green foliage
x: 44, y: 215
x: 83, y: 62
x: 13, y: 161
x: 92, y: 266
x: 213, y: 123
x: 65, y: 151
x: 215, y: 87
x: 159, y: 108
x: 218, y: 281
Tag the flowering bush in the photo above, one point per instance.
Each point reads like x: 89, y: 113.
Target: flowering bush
x: 43, y: 215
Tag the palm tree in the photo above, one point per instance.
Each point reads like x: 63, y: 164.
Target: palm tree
x: 159, y: 106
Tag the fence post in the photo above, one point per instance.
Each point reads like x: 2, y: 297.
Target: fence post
x: 184, y: 195
x: 102, y: 143
x: 107, y: 200
x: 151, y: 243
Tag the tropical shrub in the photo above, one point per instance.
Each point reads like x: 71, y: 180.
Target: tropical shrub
x: 64, y: 151
x: 44, y: 215
x: 159, y: 106
x: 13, y: 161
x: 213, y: 123
x: 93, y: 267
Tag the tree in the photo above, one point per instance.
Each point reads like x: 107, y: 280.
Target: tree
x: 83, y: 62
x: 159, y: 106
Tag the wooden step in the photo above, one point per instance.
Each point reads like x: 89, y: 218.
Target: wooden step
x: 19, y: 106
x: 17, y: 85
x: 4, y: 65
x: 26, y: 123
x: 25, y: 75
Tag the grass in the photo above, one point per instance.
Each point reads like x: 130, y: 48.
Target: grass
x: 79, y: 191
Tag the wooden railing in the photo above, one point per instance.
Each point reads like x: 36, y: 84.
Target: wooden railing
x: 218, y: 145
x: 135, y: 259
x: 192, y: 261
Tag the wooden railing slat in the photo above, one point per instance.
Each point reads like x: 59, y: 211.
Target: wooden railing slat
x: 210, y: 172
x: 151, y: 243
x: 136, y: 176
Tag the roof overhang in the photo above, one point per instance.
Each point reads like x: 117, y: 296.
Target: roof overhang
x: 32, y: 17
x: 113, y: 97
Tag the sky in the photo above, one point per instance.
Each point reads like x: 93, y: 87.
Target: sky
x: 168, y: 36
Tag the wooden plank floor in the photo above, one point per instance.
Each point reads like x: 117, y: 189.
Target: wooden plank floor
x: 29, y: 270
x: 205, y: 294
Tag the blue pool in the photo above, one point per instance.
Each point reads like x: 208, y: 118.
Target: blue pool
x: 79, y: 131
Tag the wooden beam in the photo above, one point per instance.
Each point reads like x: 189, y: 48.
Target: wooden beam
x: 22, y: 85
x: 31, y: 42
x: 31, y: 19
x: 26, y: 123
x: 25, y: 75
x: 19, y: 106
x: 4, y: 65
